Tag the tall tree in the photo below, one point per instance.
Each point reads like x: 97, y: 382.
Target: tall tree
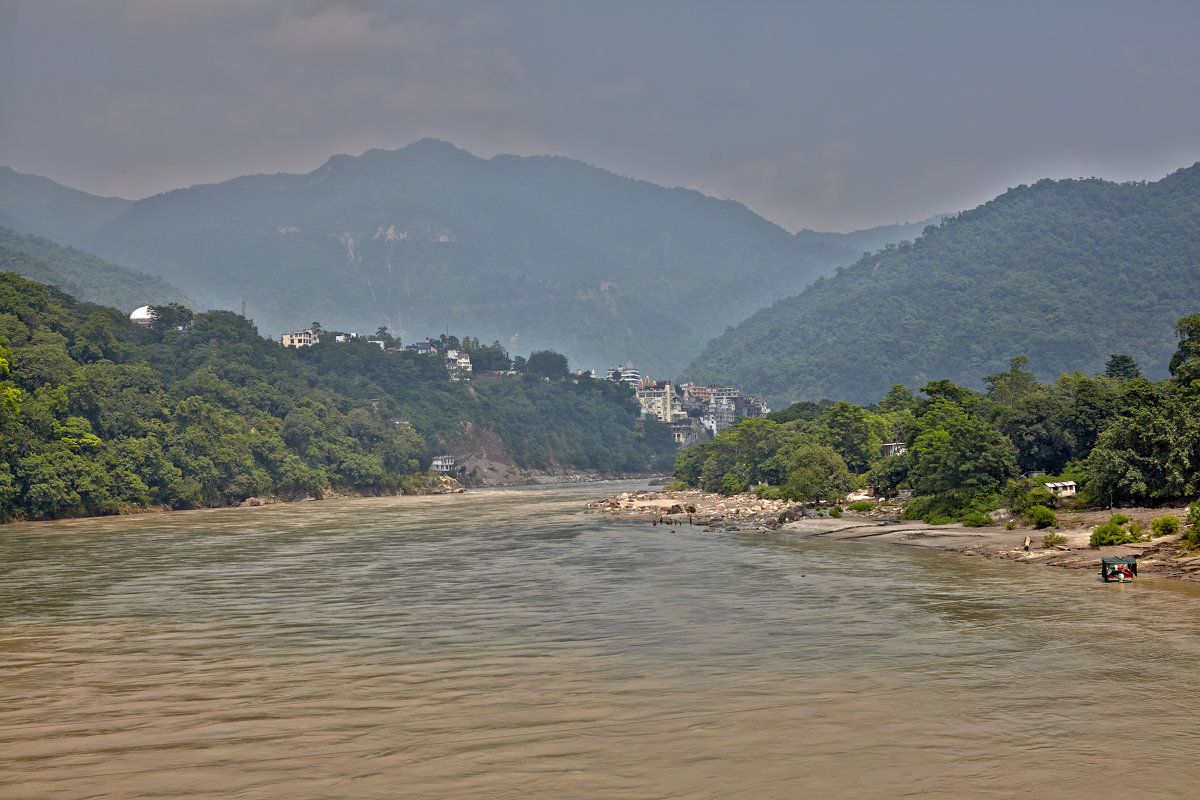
x: 1034, y: 428
x: 547, y: 364
x: 965, y: 453
x: 172, y: 316
x: 1122, y: 368
x: 817, y: 472
x: 1150, y: 453
x: 1185, y: 364
x: 1007, y: 388
x: 854, y: 433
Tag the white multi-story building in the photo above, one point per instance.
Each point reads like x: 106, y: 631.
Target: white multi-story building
x: 458, y: 363
x: 627, y: 373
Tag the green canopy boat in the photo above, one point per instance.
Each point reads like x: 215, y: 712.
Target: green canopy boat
x: 1118, y: 569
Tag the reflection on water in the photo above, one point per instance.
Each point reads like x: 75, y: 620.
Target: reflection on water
x: 505, y: 644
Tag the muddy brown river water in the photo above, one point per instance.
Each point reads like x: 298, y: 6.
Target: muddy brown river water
x: 504, y: 643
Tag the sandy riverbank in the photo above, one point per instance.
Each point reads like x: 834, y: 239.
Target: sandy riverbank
x: 1164, y: 556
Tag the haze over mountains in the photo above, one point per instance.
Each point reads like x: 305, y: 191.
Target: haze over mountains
x: 536, y: 252
x: 551, y: 253
x: 39, y: 206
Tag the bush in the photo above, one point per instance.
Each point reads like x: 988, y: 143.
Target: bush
x: 861, y: 505
x: 976, y: 519
x: 1040, y: 496
x: 677, y: 486
x: 1040, y: 517
x: 1120, y: 519
x: 941, y: 509
x: 836, y: 511
x: 1109, y: 533
x: 1137, y: 532
x: 765, y: 492
x: 1051, y: 539
x: 731, y: 484
x: 1164, y: 526
x: 1008, y: 526
x: 1025, y: 494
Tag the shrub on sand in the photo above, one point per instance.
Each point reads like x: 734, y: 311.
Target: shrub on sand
x: 1108, y: 534
x: 1165, y: 526
x: 1041, y: 517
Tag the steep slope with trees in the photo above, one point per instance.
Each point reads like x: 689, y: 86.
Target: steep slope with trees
x: 81, y: 274
x: 1063, y: 272
x: 98, y: 415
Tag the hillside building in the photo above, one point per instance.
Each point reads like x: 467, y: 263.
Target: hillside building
x: 426, y: 347
x: 658, y: 400
x: 458, y: 364
x: 687, y: 432
x: 142, y: 315
x: 627, y: 373
x: 719, y: 406
x: 304, y: 338
x: 718, y: 417
x: 1062, y: 488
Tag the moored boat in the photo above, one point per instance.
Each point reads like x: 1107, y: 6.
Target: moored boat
x: 1118, y: 569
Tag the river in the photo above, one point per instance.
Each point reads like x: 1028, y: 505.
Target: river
x: 504, y: 643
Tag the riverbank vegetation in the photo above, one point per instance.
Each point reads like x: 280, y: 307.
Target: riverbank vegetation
x: 99, y: 415
x: 961, y: 454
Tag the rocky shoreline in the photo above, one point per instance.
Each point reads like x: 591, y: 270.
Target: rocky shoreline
x: 1161, y: 557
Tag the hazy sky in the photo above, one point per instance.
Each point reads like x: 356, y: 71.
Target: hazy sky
x: 823, y: 115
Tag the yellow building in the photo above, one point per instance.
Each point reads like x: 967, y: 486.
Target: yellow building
x: 305, y: 338
x: 659, y: 401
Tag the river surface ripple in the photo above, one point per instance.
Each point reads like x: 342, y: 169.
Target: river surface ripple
x: 504, y: 643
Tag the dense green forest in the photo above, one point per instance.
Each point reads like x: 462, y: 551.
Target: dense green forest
x: 98, y: 415
x: 81, y: 274
x: 1119, y: 436
x: 1066, y: 272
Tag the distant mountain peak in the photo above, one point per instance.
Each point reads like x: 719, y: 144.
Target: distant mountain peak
x: 431, y: 145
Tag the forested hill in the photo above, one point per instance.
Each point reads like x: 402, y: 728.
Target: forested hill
x: 1065, y: 272
x: 81, y: 274
x: 538, y: 252
x: 98, y: 415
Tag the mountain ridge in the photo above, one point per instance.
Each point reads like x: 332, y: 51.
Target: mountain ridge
x: 37, y: 205
x: 537, y: 252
